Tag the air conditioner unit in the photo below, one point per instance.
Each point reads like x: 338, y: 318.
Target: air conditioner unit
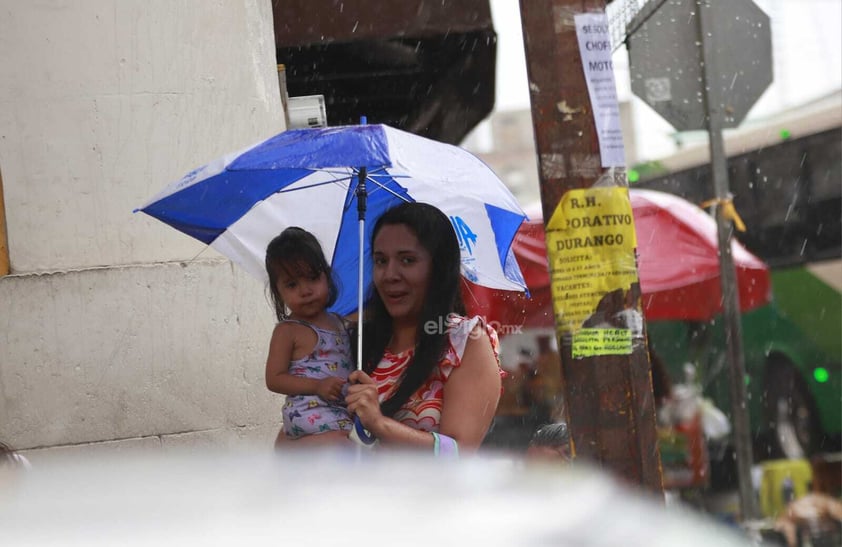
x: 306, y: 111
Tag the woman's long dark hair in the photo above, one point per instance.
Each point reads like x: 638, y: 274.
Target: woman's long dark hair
x: 290, y: 252
x: 435, y: 233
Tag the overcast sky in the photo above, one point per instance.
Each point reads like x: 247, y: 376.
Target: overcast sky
x: 807, y: 53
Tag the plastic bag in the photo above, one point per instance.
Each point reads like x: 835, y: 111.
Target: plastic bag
x: 715, y: 423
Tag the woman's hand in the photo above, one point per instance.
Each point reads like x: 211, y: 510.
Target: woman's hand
x: 362, y: 400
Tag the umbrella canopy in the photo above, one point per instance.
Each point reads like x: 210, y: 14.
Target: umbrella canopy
x: 309, y: 178
x: 678, y: 263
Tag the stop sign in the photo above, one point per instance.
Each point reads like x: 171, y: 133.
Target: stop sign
x: 665, y: 58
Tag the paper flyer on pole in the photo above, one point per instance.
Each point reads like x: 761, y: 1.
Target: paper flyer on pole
x: 591, y: 245
x: 595, y: 48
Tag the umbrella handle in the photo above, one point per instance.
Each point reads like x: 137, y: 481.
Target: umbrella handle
x: 361, y: 435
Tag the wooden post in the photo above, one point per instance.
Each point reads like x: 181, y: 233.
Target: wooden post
x: 608, y: 396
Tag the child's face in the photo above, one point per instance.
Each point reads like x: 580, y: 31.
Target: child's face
x: 304, y: 291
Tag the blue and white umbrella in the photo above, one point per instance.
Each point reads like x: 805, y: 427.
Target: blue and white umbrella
x: 310, y: 177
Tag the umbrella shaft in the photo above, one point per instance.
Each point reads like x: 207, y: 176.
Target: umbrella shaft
x: 361, y: 194
x: 360, y: 297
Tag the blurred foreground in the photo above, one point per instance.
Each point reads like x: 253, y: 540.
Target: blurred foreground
x: 333, y: 497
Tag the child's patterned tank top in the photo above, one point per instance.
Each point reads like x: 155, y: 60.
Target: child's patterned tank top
x: 310, y: 414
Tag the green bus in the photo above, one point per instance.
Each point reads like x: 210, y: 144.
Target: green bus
x: 786, y: 179
x: 792, y: 357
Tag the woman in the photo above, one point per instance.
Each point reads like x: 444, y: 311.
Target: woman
x: 431, y: 376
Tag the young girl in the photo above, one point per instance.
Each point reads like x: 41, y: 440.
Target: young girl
x: 309, y: 354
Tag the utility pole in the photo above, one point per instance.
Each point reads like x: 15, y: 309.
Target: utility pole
x: 702, y: 64
x: 728, y: 275
x: 596, y: 296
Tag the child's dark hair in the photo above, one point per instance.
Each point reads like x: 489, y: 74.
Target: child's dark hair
x: 435, y: 233
x: 296, y: 252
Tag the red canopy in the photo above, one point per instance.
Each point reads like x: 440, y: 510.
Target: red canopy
x: 678, y: 263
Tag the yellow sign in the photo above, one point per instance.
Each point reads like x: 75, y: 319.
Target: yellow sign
x: 592, y: 342
x: 590, y: 245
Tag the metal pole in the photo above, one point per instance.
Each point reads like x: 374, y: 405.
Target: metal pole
x: 608, y: 397
x: 728, y: 278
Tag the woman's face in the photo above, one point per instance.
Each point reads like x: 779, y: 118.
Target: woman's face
x: 402, y: 269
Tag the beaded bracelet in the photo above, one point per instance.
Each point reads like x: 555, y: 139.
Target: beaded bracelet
x: 444, y: 446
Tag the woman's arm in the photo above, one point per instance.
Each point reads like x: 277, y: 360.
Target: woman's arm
x: 471, y: 393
